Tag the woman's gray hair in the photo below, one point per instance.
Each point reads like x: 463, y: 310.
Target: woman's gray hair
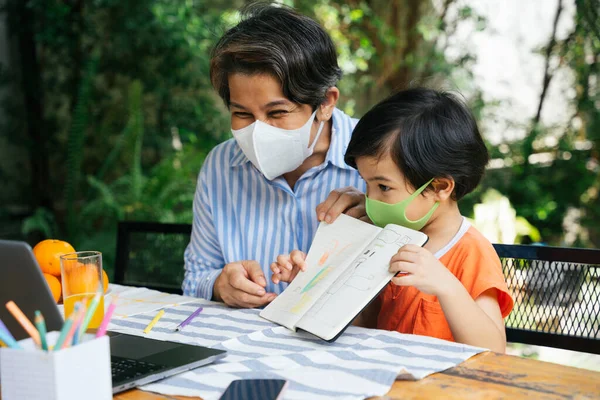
x: 278, y: 41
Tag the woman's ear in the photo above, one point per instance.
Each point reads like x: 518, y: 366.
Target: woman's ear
x: 325, y: 110
x: 443, y: 188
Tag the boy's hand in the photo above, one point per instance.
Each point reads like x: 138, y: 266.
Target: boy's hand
x: 420, y: 268
x: 287, y: 267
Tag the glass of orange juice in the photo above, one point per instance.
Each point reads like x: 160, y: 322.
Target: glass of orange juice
x: 81, y: 280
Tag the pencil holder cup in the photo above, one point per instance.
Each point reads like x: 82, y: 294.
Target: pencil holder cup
x: 74, y: 373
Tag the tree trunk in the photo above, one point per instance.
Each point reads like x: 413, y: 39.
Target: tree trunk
x: 392, y: 29
x: 34, y: 111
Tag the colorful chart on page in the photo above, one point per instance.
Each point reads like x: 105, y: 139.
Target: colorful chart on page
x: 322, y: 274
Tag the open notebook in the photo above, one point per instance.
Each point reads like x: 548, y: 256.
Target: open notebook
x: 347, y: 267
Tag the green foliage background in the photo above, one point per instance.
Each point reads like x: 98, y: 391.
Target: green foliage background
x: 111, y: 109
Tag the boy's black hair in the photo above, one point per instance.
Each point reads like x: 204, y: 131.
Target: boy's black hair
x: 428, y: 133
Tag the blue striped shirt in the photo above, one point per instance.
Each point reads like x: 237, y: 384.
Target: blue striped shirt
x: 240, y: 215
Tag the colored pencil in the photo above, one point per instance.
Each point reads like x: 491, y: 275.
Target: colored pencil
x: 3, y: 327
x: 188, y: 319
x: 79, y: 322
x: 40, y: 323
x: 107, y: 316
x: 154, y: 321
x: 76, y: 323
x: 6, y: 331
x: 8, y: 340
x: 24, y: 321
x: 66, y: 328
x: 88, y: 317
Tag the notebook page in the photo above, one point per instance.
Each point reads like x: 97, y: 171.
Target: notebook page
x: 359, y: 284
x: 334, y: 248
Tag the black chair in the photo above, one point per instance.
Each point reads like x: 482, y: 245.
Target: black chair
x: 557, y: 296
x: 556, y: 290
x: 150, y: 254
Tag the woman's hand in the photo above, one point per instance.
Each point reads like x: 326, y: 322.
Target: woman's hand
x: 242, y: 284
x: 287, y: 266
x: 348, y: 200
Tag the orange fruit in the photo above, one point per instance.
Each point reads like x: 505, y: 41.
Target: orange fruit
x: 48, y: 252
x: 104, y: 280
x: 54, y: 285
x: 69, y: 264
x: 82, y: 279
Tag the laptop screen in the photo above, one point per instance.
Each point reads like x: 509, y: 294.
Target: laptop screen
x: 23, y: 282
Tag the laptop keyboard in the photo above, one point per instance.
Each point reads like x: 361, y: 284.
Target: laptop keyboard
x: 124, y: 369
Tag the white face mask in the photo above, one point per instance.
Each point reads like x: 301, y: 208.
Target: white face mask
x: 275, y: 151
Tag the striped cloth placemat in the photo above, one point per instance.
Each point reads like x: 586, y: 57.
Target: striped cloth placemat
x: 361, y: 363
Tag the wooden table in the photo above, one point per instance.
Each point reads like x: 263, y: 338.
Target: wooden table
x: 485, y: 376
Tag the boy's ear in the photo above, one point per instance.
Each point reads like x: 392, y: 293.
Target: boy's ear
x: 443, y: 188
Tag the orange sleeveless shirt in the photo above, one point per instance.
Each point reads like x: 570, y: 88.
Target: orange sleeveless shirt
x: 473, y: 260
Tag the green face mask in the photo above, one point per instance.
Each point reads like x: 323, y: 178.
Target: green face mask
x: 383, y: 213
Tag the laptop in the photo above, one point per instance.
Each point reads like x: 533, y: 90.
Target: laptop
x: 135, y: 360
